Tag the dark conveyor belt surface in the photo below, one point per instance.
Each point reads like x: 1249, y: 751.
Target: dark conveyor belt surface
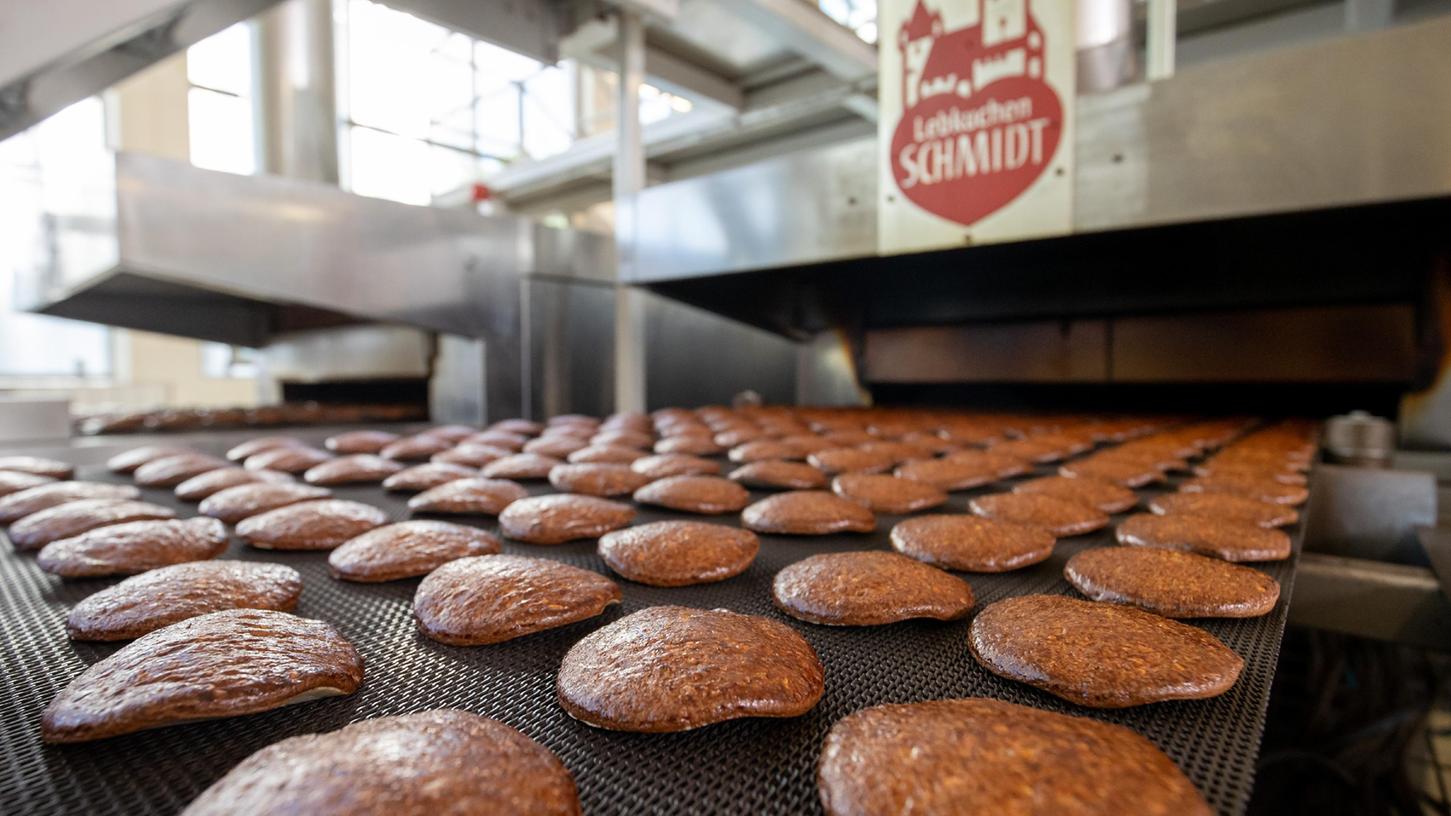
x: 745, y: 766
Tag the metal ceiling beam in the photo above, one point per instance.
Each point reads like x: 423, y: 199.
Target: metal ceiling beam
x: 528, y: 27
x: 806, y: 30
x: 593, y: 43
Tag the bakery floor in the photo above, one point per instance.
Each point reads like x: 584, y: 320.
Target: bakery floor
x: 754, y: 766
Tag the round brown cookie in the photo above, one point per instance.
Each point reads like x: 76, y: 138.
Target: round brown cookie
x: 407, y: 549
x: 556, y: 447
x: 672, y: 668
x: 707, y: 495
x: 608, y: 454
x: 22, y: 503
x: 597, y: 479
x: 1265, y: 490
x: 237, y: 503
x: 989, y: 756
x: 416, y: 448
x: 1100, y: 655
x: 851, y: 460
x: 1003, y: 465
x: 484, y: 497
x: 135, y: 546
x: 37, y: 466
x: 423, y: 477
x: 1226, y: 507
x: 173, y: 470
x: 470, y: 455
x: 662, y: 465
x: 689, y: 445
x: 13, y: 481
x: 1206, y: 535
x: 1037, y: 449
x: 356, y: 468
x: 1240, y: 471
x: 868, y: 588
x: 899, y: 451
x: 350, y: 442
x: 73, y: 518
x: 884, y: 493
x: 214, y: 481
x: 498, y: 439
x: 1170, y: 583
x: 424, y: 764
x: 1106, y: 496
x: 321, y: 524
x: 494, y: 598
x: 562, y: 517
x: 759, y: 450
x: 222, y: 664
x: 624, y: 438
x: 679, y: 553
x: 128, y: 461
x: 808, y: 512
x: 1127, y: 474
x: 521, y: 466
x: 947, y: 474
x: 163, y: 596
x: 777, y: 474
x: 252, y: 447
x: 971, y: 544
x: 1061, y: 517
x: 734, y: 437
x: 288, y: 459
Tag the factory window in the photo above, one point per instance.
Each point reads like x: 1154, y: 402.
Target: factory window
x: 219, y: 102
x: 858, y: 15
x: 67, y: 153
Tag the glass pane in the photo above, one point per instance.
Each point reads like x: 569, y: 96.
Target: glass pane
x: 543, y: 135
x: 402, y: 77
x: 499, y: 66
x: 221, y: 132
x: 449, y: 170
x: 497, y: 116
x: 387, y: 166
x: 223, y: 60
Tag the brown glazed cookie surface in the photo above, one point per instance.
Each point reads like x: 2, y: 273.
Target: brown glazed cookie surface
x: 852, y: 460
x: 252, y: 447
x: 978, y: 755
x: 707, y: 495
x: 778, y: 474
x: 562, y: 517
x: 1106, y: 496
x: 357, y: 468
x: 1206, y: 535
x: 868, y: 588
x: 1061, y: 517
x: 288, y: 459
x: 470, y: 455
x: 38, y: 466
x: 605, y: 454
x: 948, y: 475
x: 679, y: 553
x: 350, y: 442
x: 22, y: 503
x: 13, y: 481
x: 321, y: 524
x: 1260, y: 489
x: 1117, y: 471
x: 73, y: 518
x: 406, y: 549
x: 425, y: 764
x: 521, y: 466
x: 486, y: 497
x: 672, y: 668
x: 1100, y: 655
x: 762, y: 449
x: 1226, y: 507
x: 1171, y: 583
x: 171, y: 471
x: 691, y: 445
x: 128, y: 461
x: 161, y: 597
x: 884, y: 493
x: 494, y: 598
x: 971, y: 544
x: 214, y: 481
x: 132, y: 547
x: 237, y: 503
x: 661, y: 465
x: 222, y: 664
x: 597, y: 479
x: 426, y: 477
x: 808, y: 512
x: 416, y: 448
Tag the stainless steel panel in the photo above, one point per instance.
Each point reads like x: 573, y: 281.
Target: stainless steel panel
x: 826, y: 372
x: 1393, y: 602
x: 571, y: 328
x: 1370, y: 512
x: 805, y: 208
x: 27, y: 419
x: 1037, y: 351
x: 694, y: 357
x: 458, y: 390
x: 349, y: 353
x: 1331, y: 344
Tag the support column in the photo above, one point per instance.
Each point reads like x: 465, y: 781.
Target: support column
x: 295, y: 105
x: 1162, y: 35
x: 629, y: 179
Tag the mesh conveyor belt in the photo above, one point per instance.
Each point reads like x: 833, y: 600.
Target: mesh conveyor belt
x: 750, y: 766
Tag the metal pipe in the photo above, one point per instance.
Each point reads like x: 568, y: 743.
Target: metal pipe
x: 629, y: 179
x: 296, y: 104
x: 1162, y: 35
x: 1104, y: 44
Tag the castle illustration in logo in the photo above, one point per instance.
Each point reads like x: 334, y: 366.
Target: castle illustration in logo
x: 1005, y: 43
